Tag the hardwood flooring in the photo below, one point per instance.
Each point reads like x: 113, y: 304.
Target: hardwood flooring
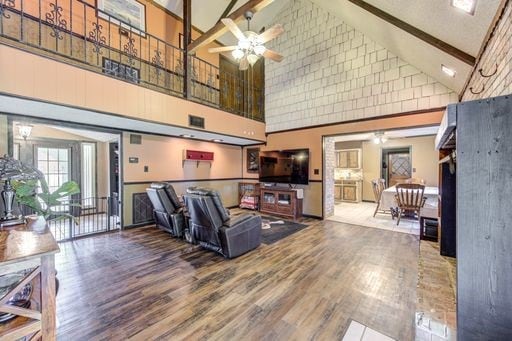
x: 143, y: 284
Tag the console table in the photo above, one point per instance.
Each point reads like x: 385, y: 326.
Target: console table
x: 23, y: 247
x: 280, y: 201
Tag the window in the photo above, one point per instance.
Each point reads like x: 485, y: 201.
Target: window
x: 120, y: 70
x: 55, y: 165
x: 88, y: 188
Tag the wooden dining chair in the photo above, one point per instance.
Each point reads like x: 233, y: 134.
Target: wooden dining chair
x: 378, y: 186
x: 409, y: 199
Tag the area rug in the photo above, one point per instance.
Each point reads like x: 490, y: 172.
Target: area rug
x: 275, y: 229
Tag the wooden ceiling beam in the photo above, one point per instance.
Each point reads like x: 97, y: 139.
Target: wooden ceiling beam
x: 227, y: 10
x: 422, y: 35
x: 219, y: 28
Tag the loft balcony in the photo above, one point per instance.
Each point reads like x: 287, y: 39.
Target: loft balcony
x: 78, y: 33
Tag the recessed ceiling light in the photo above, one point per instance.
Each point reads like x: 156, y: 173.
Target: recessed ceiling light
x: 448, y: 71
x: 467, y: 6
x: 217, y: 140
x: 186, y: 135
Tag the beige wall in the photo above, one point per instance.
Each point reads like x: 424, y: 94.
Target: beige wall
x: 102, y: 152
x: 313, y: 139
x: 424, y: 159
x: 164, y: 157
x: 48, y: 80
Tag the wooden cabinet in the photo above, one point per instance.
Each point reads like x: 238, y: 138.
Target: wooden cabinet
x: 337, y: 192
x: 349, y: 193
x: 349, y: 158
x: 32, y: 247
x: 281, y: 201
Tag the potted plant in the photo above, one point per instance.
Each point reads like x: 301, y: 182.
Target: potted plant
x: 35, y: 194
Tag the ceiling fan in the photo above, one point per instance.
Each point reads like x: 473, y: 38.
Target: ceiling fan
x: 250, y: 44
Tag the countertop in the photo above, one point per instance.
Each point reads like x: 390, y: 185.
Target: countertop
x: 26, y: 241
x: 340, y: 181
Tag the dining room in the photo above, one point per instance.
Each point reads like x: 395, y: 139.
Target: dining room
x: 395, y: 179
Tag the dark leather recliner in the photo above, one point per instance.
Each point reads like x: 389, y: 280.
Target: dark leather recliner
x: 167, y: 209
x: 211, y: 226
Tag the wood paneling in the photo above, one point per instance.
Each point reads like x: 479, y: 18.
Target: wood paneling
x: 484, y: 219
x: 242, y: 91
x: 144, y: 284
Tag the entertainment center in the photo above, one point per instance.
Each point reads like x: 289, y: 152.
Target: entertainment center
x: 286, y: 167
x: 281, y: 201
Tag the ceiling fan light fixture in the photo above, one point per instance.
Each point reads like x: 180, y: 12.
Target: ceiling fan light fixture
x: 237, y: 54
x: 244, y: 44
x: 379, y: 138
x: 259, y: 49
x: 252, y: 59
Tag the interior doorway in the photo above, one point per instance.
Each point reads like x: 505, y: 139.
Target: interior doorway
x: 72, y: 153
x: 396, y: 165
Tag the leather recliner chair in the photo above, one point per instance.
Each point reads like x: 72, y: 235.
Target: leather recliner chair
x: 211, y: 226
x: 167, y: 209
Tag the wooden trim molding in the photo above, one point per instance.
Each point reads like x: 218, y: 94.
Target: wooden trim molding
x: 422, y: 35
x: 374, y: 118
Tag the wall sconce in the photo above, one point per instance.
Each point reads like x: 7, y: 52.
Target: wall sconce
x: 25, y: 130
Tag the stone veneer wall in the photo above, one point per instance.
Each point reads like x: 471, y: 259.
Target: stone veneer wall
x: 330, y: 163
x: 333, y: 73
x: 498, y: 52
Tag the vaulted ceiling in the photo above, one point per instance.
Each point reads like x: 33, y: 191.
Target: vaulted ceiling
x: 436, y: 18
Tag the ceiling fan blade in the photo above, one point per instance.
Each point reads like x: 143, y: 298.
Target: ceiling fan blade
x: 233, y: 27
x: 244, y: 64
x: 221, y: 49
x: 273, y: 55
x: 271, y: 33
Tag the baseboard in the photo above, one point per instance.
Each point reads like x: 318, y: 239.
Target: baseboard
x: 132, y: 226
x: 313, y: 216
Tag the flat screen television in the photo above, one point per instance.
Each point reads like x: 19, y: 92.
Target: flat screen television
x: 284, y: 166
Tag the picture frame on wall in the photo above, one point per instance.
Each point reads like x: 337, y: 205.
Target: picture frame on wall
x: 125, y: 13
x: 253, y: 160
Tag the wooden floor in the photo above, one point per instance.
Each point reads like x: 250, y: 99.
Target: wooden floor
x: 142, y: 284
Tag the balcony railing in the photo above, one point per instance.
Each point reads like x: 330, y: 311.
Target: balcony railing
x: 79, y: 33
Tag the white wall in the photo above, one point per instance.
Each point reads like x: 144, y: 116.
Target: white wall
x: 333, y: 73
x: 424, y: 158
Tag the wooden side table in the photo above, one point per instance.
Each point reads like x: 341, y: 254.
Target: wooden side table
x: 22, y: 247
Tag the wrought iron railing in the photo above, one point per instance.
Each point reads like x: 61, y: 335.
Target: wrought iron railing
x: 79, y: 33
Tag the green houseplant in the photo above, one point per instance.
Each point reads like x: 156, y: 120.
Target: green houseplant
x: 43, y: 202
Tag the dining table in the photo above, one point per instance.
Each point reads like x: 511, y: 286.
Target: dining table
x: 429, y: 210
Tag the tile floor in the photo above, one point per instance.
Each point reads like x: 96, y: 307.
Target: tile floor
x: 362, y: 214
x: 359, y: 332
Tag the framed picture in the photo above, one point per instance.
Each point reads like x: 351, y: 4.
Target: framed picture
x: 130, y: 13
x: 253, y: 160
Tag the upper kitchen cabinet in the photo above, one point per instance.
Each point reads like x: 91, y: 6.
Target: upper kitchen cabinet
x: 348, y: 158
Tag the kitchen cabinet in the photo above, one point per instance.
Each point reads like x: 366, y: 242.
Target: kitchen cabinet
x: 348, y: 190
x: 337, y: 192
x: 349, y: 193
x: 348, y: 158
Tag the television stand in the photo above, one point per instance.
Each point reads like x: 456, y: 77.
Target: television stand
x: 280, y: 201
